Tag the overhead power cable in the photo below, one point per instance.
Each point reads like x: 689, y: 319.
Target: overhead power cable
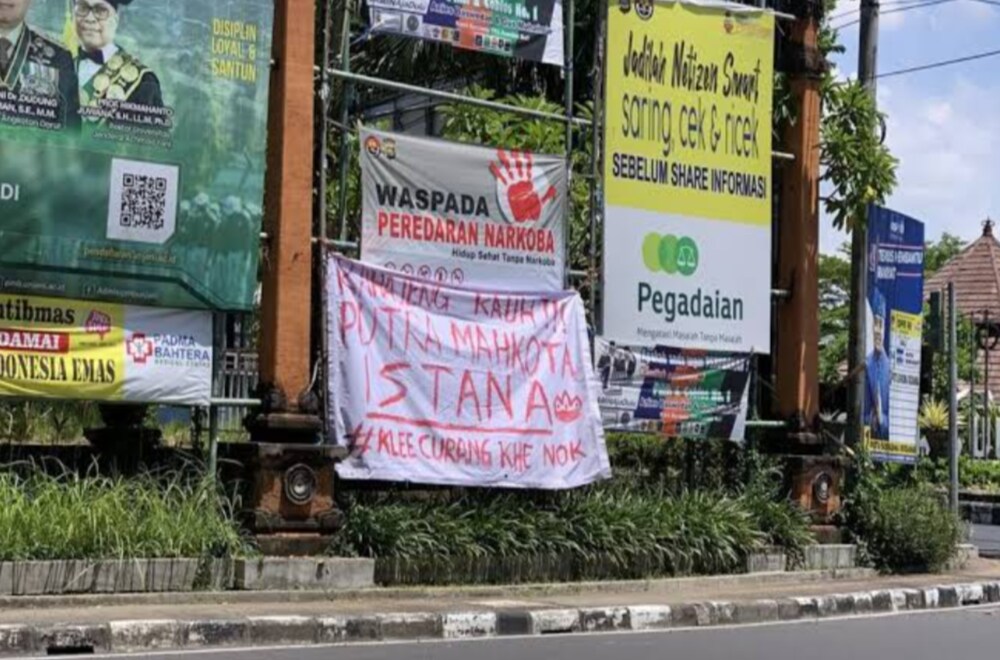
x: 926, y: 3
x: 938, y: 65
x: 882, y: 5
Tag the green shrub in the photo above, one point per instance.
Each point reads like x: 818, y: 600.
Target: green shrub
x: 694, y: 533
x: 783, y: 523
x: 172, y: 515
x: 903, y: 529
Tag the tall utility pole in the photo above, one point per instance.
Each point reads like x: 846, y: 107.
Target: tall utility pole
x: 867, y: 64
x: 952, y: 399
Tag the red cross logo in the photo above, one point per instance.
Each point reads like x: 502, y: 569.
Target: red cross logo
x: 140, y: 348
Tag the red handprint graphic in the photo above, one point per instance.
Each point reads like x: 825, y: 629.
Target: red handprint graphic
x: 516, y: 186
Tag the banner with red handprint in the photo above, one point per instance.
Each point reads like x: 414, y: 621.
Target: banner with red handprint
x: 436, y: 383
x: 463, y: 214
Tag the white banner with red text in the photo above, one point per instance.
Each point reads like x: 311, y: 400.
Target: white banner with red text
x: 463, y: 214
x: 435, y: 383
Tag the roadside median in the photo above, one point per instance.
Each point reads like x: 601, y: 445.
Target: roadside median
x: 473, y: 613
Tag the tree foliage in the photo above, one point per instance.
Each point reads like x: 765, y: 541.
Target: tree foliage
x: 936, y: 255
x: 859, y: 167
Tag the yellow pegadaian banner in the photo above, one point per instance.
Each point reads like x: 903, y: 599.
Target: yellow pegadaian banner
x: 61, y: 348
x: 689, y: 101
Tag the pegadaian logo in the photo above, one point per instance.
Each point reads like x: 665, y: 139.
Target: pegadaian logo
x: 670, y: 254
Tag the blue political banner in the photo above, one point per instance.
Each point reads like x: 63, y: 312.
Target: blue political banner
x: 895, y: 332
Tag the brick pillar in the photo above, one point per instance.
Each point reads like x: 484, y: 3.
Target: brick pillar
x: 797, y: 357
x: 291, y: 482
x: 814, y: 477
x: 287, y: 291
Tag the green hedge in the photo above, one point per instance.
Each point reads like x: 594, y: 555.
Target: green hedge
x: 904, y: 530
x: 672, y: 508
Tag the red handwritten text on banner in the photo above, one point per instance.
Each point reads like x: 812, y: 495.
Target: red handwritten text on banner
x: 433, y: 383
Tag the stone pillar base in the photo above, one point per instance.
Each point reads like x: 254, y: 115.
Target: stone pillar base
x: 290, y: 506
x: 815, y: 484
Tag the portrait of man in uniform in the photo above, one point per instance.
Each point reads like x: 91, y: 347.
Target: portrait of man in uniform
x: 32, y: 64
x: 106, y: 70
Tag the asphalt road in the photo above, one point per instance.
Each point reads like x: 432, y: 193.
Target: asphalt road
x: 969, y: 633
x: 987, y: 537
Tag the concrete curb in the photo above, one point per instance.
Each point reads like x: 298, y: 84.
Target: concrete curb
x: 517, y: 591
x: 131, y: 636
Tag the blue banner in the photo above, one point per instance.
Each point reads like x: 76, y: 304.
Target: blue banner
x: 894, y: 336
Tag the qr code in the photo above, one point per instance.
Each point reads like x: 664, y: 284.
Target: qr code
x: 143, y: 201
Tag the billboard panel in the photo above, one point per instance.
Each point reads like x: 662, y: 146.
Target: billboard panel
x: 132, y: 146
x: 463, y: 214
x: 895, y: 337
x: 70, y: 349
x: 673, y: 392
x: 687, y: 240
x: 528, y: 29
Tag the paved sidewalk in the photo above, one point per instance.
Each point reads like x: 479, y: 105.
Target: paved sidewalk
x: 230, y: 619
x: 97, y: 609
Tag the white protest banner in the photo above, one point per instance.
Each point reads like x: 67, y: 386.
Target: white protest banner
x: 438, y: 384
x: 463, y: 214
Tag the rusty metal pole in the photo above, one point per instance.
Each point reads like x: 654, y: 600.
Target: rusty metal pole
x: 291, y: 507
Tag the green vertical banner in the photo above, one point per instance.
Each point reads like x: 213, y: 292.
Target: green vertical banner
x: 133, y: 139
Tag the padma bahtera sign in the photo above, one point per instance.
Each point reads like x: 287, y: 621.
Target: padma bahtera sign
x: 71, y: 349
x: 687, y: 240
x: 132, y: 148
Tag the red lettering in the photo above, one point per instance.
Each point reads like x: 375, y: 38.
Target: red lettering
x: 391, y: 313
x: 347, y: 321
x: 407, y: 221
x: 467, y: 390
x: 562, y: 455
x: 568, y: 364
x: 437, y: 370
x: 482, y: 344
x: 538, y: 400
x: 550, y: 348
x: 480, y: 306
x: 528, y: 311
x: 531, y: 366
x: 515, y: 456
x: 361, y: 327
x: 432, y: 338
x: 401, y: 390
x: 460, y: 338
x: 383, y: 221
x: 503, y: 395
x: 368, y: 381
x: 362, y: 441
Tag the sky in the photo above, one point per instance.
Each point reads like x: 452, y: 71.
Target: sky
x: 943, y: 124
